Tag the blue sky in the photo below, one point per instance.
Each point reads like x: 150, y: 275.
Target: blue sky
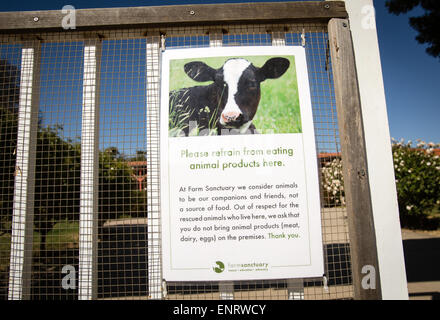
x: 411, y: 77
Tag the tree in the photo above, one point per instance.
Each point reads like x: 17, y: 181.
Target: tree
x: 427, y: 25
x: 57, y: 184
x: 118, y: 194
x: 141, y: 155
x: 57, y: 180
x: 58, y: 170
x: 9, y: 94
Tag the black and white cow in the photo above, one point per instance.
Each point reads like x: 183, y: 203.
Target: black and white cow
x: 230, y: 102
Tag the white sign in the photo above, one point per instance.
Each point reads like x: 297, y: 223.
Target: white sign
x: 239, y: 173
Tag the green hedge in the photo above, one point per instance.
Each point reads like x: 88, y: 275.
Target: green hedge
x: 417, y: 173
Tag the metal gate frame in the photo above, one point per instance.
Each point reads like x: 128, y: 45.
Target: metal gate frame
x: 157, y: 21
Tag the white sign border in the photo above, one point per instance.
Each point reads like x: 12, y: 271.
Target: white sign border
x: 310, y: 157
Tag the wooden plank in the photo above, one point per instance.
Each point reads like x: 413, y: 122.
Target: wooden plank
x: 174, y: 15
x: 357, y: 189
x: 379, y: 151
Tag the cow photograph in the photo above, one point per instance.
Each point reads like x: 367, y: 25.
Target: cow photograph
x: 233, y: 95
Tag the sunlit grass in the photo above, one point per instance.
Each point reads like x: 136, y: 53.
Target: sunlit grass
x: 64, y: 234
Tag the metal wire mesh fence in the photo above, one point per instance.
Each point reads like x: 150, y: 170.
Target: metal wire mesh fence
x: 57, y: 173
x: 123, y: 228
x: 96, y: 176
x: 10, y: 56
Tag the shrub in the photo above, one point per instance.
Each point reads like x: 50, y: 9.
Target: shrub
x: 332, y: 183
x: 417, y: 172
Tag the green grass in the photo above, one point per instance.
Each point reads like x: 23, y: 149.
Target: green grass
x: 65, y: 234
x: 278, y: 111
x: 5, y: 248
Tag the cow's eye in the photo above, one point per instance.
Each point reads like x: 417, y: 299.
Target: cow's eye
x: 252, y: 88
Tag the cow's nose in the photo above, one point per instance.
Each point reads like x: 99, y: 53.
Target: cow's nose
x: 230, y: 116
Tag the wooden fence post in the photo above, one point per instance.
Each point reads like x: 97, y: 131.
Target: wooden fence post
x: 365, y: 269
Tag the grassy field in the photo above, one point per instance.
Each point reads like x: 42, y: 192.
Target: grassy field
x: 65, y: 234
x: 5, y: 248
x: 278, y: 111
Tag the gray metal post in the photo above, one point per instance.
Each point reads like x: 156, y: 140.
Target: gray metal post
x: 153, y: 168
x: 88, y: 235
x: 20, y: 271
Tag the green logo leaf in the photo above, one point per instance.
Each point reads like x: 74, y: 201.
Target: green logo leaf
x: 220, y: 267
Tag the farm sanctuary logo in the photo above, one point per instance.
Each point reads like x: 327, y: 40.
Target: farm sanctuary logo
x: 219, y: 268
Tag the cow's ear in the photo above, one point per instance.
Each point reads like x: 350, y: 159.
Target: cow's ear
x: 273, y: 68
x: 200, y: 71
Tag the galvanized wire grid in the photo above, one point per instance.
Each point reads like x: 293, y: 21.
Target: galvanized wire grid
x: 122, y: 257
x: 127, y: 187
x: 10, y: 61
x: 336, y: 283
x: 57, y: 178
